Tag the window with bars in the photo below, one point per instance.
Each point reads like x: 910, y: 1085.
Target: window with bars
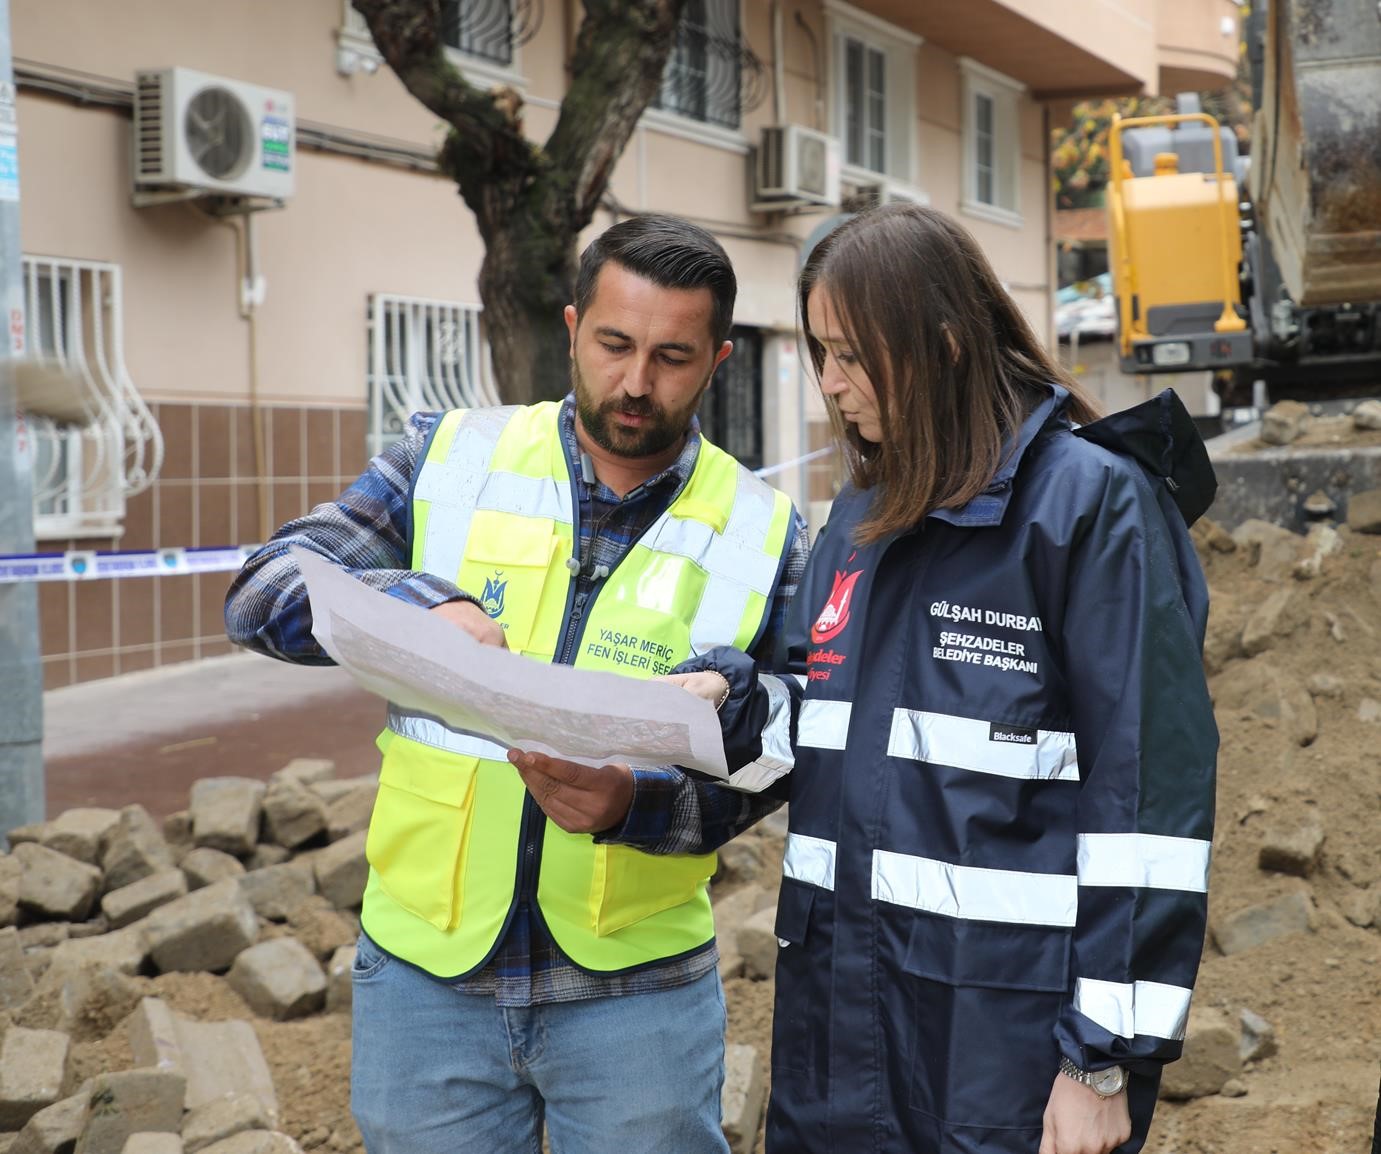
x: 424, y: 355
x: 703, y: 76
x: 731, y: 413
x: 482, y: 31
x: 865, y: 105
x: 91, y: 440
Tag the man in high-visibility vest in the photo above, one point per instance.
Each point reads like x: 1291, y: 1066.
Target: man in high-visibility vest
x: 523, y: 959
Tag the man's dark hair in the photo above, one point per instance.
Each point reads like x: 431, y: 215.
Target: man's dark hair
x: 671, y: 253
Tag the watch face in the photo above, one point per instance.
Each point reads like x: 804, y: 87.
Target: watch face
x: 1109, y: 1081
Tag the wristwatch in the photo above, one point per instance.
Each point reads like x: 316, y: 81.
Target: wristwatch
x: 1104, y: 1083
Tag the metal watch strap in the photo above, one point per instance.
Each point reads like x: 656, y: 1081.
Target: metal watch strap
x: 1086, y: 1077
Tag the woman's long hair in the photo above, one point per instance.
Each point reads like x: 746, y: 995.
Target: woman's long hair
x: 955, y: 366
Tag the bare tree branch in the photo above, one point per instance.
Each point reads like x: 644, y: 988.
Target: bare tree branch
x: 619, y: 59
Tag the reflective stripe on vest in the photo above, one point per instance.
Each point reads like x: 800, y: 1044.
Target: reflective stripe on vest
x: 493, y: 512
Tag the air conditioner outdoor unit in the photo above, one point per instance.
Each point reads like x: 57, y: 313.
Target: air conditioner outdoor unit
x: 199, y: 133
x: 863, y: 195
x: 796, y: 166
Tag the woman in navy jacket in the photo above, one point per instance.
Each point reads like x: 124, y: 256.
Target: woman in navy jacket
x: 994, y: 733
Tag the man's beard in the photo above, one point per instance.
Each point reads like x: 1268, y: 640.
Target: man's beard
x: 660, y: 429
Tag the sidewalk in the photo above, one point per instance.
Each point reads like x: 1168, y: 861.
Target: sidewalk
x: 145, y: 737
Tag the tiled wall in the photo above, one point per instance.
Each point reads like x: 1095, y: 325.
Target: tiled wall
x: 206, y: 494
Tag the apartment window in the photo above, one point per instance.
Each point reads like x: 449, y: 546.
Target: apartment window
x: 89, y: 436
x: 865, y: 105
x: 424, y: 356
x: 731, y: 413
x: 703, y: 75
x: 873, y: 82
x: 992, y: 143
x: 478, y: 33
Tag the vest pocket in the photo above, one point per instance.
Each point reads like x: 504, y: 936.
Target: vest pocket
x: 801, y: 1024
x: 419, y: 831
x: 984, y: 1001
x: 628, y: 885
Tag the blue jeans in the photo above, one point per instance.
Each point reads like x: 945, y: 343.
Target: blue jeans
x: 436, y: 1071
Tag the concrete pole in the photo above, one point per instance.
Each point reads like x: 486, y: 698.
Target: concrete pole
x: 21, y: 675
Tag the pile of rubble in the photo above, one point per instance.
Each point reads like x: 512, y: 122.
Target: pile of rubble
x: 242, y: 909
x: 257, y: 882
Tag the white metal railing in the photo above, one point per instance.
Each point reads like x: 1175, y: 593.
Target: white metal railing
x: 423, y: 355
x: 83, y: 469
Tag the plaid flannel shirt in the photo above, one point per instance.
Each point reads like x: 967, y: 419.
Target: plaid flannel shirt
x: 365, y: 531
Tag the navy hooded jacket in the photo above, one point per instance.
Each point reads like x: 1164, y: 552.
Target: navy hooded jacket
x: 1002, y: 797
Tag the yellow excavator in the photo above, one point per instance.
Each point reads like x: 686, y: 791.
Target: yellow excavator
x: 1265, y: 270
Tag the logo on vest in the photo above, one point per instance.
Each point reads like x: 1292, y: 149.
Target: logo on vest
x: 492, y: 599
x: 835, y: 615
x: 1013, y: 734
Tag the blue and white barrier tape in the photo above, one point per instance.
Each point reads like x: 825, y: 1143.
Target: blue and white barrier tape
x: 90, y: 564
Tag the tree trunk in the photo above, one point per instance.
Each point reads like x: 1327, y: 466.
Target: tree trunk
x: 526, y: 280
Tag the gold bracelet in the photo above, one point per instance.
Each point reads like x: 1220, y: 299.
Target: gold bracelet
x: 723, y: 697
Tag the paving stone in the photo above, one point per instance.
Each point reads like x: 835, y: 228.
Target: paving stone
x: 204, y: 866
x: 202, y: 931
x: 130, y: 903
x: 275, y: 891
x: 739, y: 861
x: 33, y: 1064
x: 757, y: 944
x: 26, y: 833
x: 1364, y: 511
x: 1258, y: 1039
x: 1209, y: 1059
x: 351, y: 812
x: 265, y: 854
x: 1325, y: 685
x: 1268, y: 622
x: 15, y: 983
x: 218, y: 1059
x: 1361, y: 907
x: 1292, y: 851
x: 330, y: 790
x: 1254, y: 926
x: 1284, y: 422
x: 340, y: 990
x: 1274, y: 550
x: 177, y: 832
x: 341, y: 871
x: 146, y: 1143
x: 222, y: 1118
x: 293, y: 814
x: 124, y: 950
x: 134, y: 849
x: 279, y: 979
x: 226, y: 812
x: 1269, y: 692
x: 91, y: 999
x: 320, y: 928
x: 80, y: 833
x: 742, y: 1098
x: 55, y: 886
x: 130, y: 1102
x: 55, y: 1129
x: 255, y: 1142
x: 10, y: 870
x: 305, y: 771
x: 43, y: 935
x: 1367, y: 415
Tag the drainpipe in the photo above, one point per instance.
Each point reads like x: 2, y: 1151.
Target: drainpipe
x: 778, y: 65
x: 21, y: 672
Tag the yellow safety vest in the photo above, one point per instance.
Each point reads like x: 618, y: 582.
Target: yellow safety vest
x: 492, y: 511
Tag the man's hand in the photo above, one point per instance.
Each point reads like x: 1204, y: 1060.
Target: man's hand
x: 579, y: 798
x: 1079, y: 1121
x: 474, y: 620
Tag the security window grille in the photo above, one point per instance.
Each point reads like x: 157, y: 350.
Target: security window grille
x: 865, y: 105
x: 480, y: 28
x: 110, y: 446
x: 731, y: 413
x: 703, y: 75
x: 984, y: 130
x: 424, y: 356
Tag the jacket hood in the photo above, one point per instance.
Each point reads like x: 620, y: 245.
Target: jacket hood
x: 1161, y: 437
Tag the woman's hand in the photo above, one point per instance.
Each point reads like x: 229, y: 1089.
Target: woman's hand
x: 712, y: 686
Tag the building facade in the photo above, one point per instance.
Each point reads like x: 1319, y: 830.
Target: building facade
x: 228, y: 371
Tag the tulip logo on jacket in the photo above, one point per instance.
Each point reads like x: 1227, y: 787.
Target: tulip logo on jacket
x: 493, y: 594
x: 835, y: 615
